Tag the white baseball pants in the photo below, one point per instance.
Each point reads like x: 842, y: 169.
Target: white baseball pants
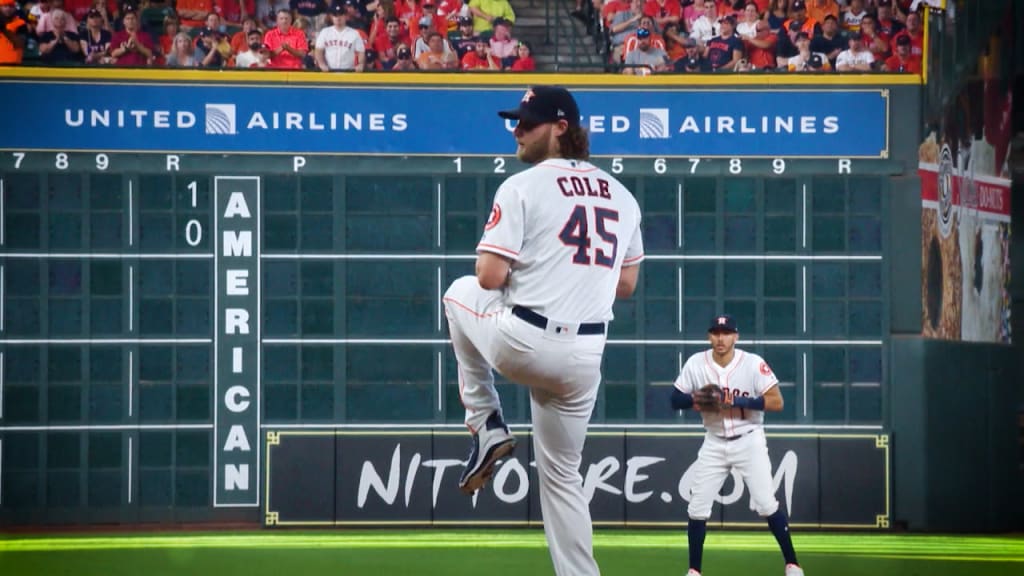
x: 716, y: 460
x: 563, y: 372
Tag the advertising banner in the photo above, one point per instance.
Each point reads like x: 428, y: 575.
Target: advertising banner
x: 366, y: 120
x: 366, y: 478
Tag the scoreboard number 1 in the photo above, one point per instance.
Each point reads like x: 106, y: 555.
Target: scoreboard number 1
x: 193, y: 229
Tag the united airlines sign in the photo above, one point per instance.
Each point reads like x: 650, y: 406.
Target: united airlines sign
x: 460, y: 121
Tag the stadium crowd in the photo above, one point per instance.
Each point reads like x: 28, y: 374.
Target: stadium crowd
x: 639, y: 36
x: 343, y: 35
x: 645, y: 36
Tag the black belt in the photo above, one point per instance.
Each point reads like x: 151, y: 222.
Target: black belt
x: 531, y: 317
x: 736, y: 437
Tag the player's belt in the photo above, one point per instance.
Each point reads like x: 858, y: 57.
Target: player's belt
x: 531, y: 317
x: 736, y: 437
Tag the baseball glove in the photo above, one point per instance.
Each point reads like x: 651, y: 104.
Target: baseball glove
x: 709, y: 398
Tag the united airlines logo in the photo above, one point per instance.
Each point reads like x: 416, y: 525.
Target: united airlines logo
x: 220, y: 119
x: 654, y: 123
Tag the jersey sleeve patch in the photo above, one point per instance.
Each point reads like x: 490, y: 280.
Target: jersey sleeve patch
x: 765, y: 369
x: 494, y: 218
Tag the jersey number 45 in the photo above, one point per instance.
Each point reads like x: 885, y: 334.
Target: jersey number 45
x: 576, y: 232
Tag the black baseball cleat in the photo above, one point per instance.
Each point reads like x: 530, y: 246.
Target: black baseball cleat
x: 490, y: 444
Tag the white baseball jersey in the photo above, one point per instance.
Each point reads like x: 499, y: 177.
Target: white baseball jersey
x: 853, y: 58
x: 747, y: 375
x: 569, y: 227
x: 340, y: 47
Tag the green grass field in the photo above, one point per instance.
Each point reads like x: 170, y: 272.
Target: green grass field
x: 495, y: 553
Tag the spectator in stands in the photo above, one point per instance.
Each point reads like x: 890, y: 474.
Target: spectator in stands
x: 856, y: 58
x: 876, y: 43
x: 240, y: 39
x: 694, y: 61
x: 706, y: 25
x: 210, y: 47
x: 192, y: 13
x: 777, y: 14
x: 503, y: 46
x: 131, y: 46
x: 915, y: 33
x: 633, y: 40
x: 339, y: 47
x: 438, y: 23
x: 903, y: 60
x: 887, y: 24
x: 480, y: 58
x: 403, y: 60
x: 830, y: 42
x: 59, y: 45
x: 181, y: 53
x: 437, y: 57
x: 726, y: 49
x: 818, y: 10
x: 95, y: 39
x: 624, y: 24
x: 663, y: 12
x: 852, y: 16
x: 408, y: 13
x: 464, y: 39
x: 252, y: 56
x: 673, y: 42
x: 747, y: 25
x: 313, y: 10
x: 45, y: 23
x: 646, y: 58
x: 386, y: 45
x: 800, y: 21
x: 524, y: 63
x: 235, y: 13
x: 451, y: 10
x: 356, y: 20
x: 287, y: 45
x: 761, y: 47
x: 165, y: 43
x: 423, y: 30
x: 13, y: 33
x: 807, y: 60
x: 486, y: 11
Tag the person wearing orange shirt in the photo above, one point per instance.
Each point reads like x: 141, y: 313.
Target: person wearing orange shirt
x: 240, y: 40
x: 286, y: 44
x: 761, y: 47
x: 524, y: 63
x: 13, y: 33
x: 663, y: 12
x: 903, y: 60
x: 915, y: 33
x: 192, y: 13
x: 480, y: 58
x: 817, y: 10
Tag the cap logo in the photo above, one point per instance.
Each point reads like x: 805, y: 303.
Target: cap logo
x: 721, y: 321
x: 528, y: 96
x: 561, y: 113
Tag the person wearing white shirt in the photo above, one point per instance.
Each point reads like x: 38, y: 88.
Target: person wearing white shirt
x: 254, y: 57
x: 856, y: 59
x: 748, y: 27
x: 339, y: 47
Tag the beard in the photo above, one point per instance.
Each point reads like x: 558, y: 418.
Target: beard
x: 536, y: 151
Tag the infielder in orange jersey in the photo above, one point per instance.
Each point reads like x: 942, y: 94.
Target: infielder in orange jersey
x: 735, y: 434
x: 563, y: 241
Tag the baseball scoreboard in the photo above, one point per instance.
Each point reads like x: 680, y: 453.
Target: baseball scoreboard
x: 190, y: 273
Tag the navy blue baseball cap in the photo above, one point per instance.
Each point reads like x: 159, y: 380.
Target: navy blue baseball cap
x: 543, y: 104
x: 723, y: 323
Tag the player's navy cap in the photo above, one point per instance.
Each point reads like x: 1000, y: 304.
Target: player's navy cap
x: 723, y: 323
x: 338, y: 8
x: 543, y: 104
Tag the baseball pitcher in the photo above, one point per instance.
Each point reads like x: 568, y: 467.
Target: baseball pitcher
x: 562, y: 242
x: 732, y: 389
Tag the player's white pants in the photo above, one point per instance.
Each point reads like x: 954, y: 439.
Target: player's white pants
x: 563, y: 373
x: 716, y: 460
